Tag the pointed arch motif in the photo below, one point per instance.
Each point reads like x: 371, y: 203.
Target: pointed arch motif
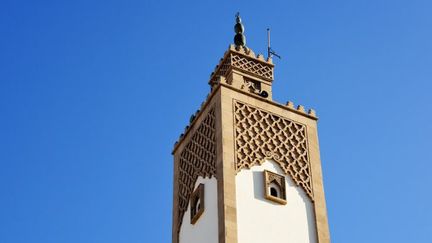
x: 261, y: 135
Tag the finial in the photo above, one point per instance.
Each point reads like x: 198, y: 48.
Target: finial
x: 239, y: 38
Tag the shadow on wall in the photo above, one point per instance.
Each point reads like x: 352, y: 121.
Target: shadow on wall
x: 258, y: 182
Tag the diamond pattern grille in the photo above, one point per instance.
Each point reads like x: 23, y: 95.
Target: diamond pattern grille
x: 198, y: 158
x: 252, y: 66
x: 260, y: 135
x: 243, y: 63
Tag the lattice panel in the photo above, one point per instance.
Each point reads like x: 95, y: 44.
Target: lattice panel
x: 252, y: 66
x: 260, y: 135
x: 224, y: 68
x: 244, y: 63
x: 198, y: 158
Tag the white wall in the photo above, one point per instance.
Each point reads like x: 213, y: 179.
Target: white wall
x: 205, y: 230
x: 262, y: 221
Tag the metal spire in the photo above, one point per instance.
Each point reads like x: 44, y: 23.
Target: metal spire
x: 239, y: 38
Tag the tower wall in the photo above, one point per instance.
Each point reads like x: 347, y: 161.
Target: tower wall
x: 206, y: 228
x: 195, y: 155
x: 235, y: 131
x: 304, y: 168
x: 260, y: 220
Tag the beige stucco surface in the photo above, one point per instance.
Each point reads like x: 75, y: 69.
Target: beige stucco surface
x: 261, y: 220
x: 206, y: 228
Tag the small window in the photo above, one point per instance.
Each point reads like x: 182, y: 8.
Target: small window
x: 274, y: 190
x: 274, y: 187
x: 197, y: 203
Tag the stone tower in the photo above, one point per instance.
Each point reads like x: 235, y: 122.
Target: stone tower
x: 247, y: 169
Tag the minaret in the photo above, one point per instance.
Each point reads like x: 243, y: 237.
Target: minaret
x: 247, y: 169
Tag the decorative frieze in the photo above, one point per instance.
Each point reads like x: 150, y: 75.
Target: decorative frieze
x: 243, y: 59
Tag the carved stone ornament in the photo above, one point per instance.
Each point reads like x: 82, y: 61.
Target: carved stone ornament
x: 198, y: 158
x: 252, y: 66
x: 261, y: 135
x: 245, y: 63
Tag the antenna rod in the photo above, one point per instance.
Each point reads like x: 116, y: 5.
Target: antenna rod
x: 268, y: 43
x: 270, y: 52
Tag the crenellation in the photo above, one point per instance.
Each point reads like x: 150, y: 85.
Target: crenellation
x: 290, y: 104
x: 312, y: 112
x: 301, y: 108
x: 261, y: 57
x: 270, y: 60
x: 251, y: 53
x: 192, y: 118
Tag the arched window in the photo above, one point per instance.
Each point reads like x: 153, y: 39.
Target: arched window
x: 197, y: 203
x: 274, y: 187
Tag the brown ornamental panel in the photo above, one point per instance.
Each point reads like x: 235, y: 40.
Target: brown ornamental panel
x: 252, y: 66
x: 198, y: 158
x: 261, y: 135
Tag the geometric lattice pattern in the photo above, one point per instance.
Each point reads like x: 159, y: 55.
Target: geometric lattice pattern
x: 260, y: 135
x: 244, y: 63
x: 198, y: 158
x: 252, y: 66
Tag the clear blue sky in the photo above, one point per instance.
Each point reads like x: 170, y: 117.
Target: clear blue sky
x: 93, y: 94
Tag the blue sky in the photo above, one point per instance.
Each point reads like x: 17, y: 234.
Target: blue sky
x: 93, y: 94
